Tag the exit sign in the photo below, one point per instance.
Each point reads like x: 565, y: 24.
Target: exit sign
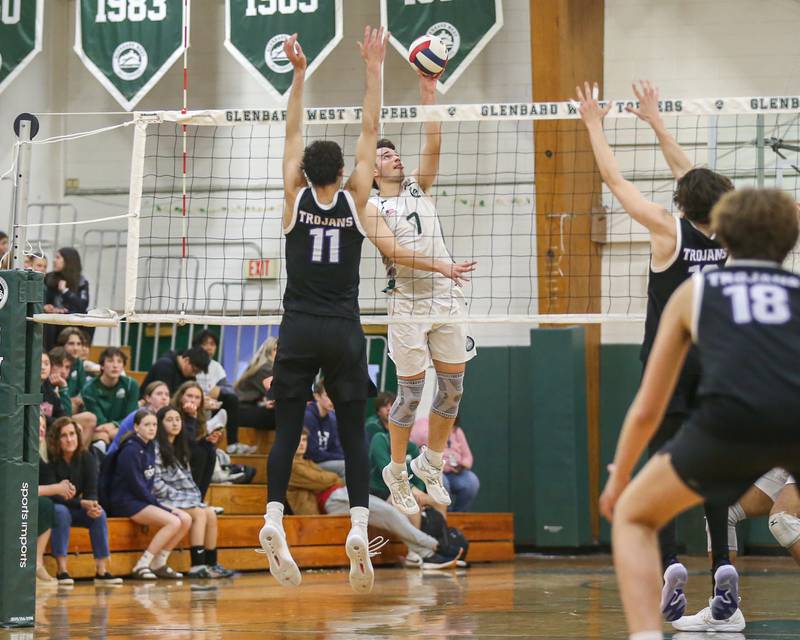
x: 261, y: 268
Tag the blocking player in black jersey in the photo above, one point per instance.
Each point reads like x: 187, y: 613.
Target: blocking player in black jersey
x: 324, y: 227
x: 744, y: 319
x: 680, y: 245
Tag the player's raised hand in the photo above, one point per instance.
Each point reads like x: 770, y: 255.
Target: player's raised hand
x: 590, y: 110
x: 294, y: 52
x: 458, y: 272
x: 373, y: 48
x: 647, y: 95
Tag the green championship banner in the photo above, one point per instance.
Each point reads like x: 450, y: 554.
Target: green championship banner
x: 128, y: 45
x: 465, y: 26
x: 255, y: 31
x: 21, y: 295
x: 20, y: 36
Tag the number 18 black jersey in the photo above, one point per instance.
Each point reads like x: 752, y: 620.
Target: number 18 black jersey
x: 747, y: 330
x: 323, y: 255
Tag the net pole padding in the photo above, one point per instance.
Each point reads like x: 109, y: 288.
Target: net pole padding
x: 474, y: 112
x: 135, y: 212
x: 96, y: 318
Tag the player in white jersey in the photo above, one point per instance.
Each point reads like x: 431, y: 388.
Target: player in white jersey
x: 410, y: 213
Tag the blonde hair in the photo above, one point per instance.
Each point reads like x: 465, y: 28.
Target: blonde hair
x: 264, y: 355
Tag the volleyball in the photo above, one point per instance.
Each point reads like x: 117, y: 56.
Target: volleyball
x: 428, y: 54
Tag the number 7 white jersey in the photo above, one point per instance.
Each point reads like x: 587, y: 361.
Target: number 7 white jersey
x: 412, y: 218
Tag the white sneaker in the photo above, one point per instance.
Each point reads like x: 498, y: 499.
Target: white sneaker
x: 704, y: 621
x: 281, y: 564
x: 362, y: 575
x: 673, y: 599
x: 412, y: 560
x: 241, y: 449
x: 219, y: 419
x: 400, y: 488
x: 432, y: 477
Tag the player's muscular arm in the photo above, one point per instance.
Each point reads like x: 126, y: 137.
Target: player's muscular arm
x: 373, y: 51
x: 676, y: 157
x: 648, y: 407
x: 429, y: 159
x: 293, y: 178
x: 654, y: 217
x: 382, y: 237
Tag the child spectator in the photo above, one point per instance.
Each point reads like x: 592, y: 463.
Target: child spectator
x: 460, y: 481
x: 51, y: 407
x: 256, y: 409
x: 35, y: 263
x: 110, y: 397
x: 378, y: 422
x: 66, y: 290
x: 60, y: 368
x: 156, y: 396
x: 324, y: 446
x: 67, y: 460
x: 175, y: 368
x: 219, y: 393
x: 313, y: 490
x: 129, y: 475
x: 188, y: 400
x: 174, y: 487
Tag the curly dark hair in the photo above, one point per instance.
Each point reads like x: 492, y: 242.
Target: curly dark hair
x: 323, y: 162
x: 697, y: 191
x: 171, y: 452
x: 53, y: 438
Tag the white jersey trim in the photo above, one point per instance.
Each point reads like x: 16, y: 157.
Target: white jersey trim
x: 698, y: 284
x: 354, y: 211
x: 295, y: 209
x: 324, y: 207
x: 678, y: 240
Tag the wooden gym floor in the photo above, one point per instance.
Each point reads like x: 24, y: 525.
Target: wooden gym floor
x: 532, y: 597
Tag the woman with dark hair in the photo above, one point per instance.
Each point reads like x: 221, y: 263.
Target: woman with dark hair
x: 188, y: 400
x: 174, y: 487
x: 66, y: 291
x: 128, y: 476
x: 67, y: 460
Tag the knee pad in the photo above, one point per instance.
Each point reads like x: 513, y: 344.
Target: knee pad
x: 785, y: 528
x: 450, y: 388
x: 404, y: 409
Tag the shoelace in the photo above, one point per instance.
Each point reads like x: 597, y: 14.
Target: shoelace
x: 403, y: 489
x: 376, y: 544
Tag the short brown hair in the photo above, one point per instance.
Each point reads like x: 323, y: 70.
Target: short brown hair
x: 67, y: 333
x: 384, y: 398
x: 697, y: 191
x: 59, y: 355
x: 53, y: 437
x: 383, y: 143
x: 756, y: 224
x: 113, y: 352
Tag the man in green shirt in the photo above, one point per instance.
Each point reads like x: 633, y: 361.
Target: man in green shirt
x: 376, y: 423
x: 72, y: 339
x: 111, y: 396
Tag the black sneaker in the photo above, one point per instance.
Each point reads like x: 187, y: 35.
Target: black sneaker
x: 64, y: 578
x: 439, y: 561
x: 106, y: 579
x: 222, y: 571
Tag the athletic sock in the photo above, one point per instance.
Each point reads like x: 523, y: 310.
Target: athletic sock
x: 198, y: 557
x: 275, y: 514
x: 211, y: 557
x: 397, y: 468
x: 144, y: 561
x: 646, y: 635
x: 359, y: 517
x: 160, y: 560
x: 433, y: 457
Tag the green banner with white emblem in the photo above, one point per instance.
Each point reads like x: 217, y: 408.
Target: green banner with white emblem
x: 128, y: 45
x: 465, y: 27
x: 20, y: 36
x: 255, y: 31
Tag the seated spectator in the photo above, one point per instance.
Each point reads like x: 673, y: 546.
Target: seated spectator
x: 156, y: 396
x: 188, y: 400
x: 460, y: 481
x: 313, y: 490
x: 44, y: 524
x: 324, y: 446
x: 380, y: 456
x: 73, y: 341
x: 174, y: 487
x: 378, y: 422
x: 35, y: 263
x: 175, y: 368
x: 67, y: 460
x: 128, y: 475
x: 5, y: 255
x: 51, y: 407
x: 60, y: 368
x: 111, y: 396
x: 66, y: 291
x: 256, y: 408
x: 219, y: 393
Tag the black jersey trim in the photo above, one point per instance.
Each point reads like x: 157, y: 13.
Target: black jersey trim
x: 698, y: 286
x: 678, y: 241
x: 354, y: 210
x: 295, y: 209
